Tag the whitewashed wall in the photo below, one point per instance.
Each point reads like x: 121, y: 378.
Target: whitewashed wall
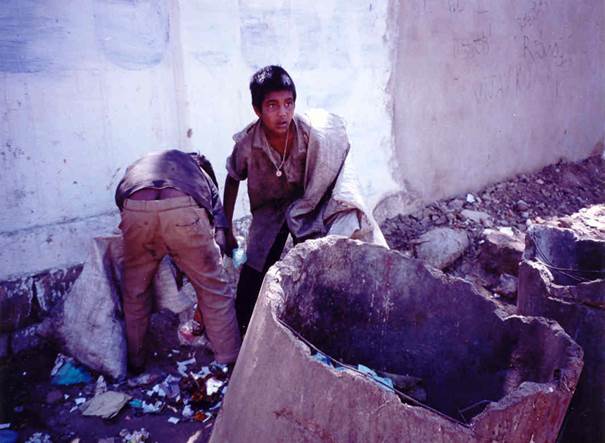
x: 487, y: 89
x: 88, y: 86
x: 441, y: 96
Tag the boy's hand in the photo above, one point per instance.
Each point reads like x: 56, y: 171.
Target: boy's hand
x: 219, y: 237
x: 231, y: 242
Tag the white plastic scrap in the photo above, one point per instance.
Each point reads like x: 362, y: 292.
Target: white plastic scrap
x: 39, y: 437
x: 139, y: 436
x: 182, y: 366
x: 78, y: 401
x: 101, y: 386
x: 157, y: 389
x: 203, y: 372
x: 5, y: 426
x: 213, y: 385
x: 187, y: 411
x: 59, y: 361
x: 170, y: 386
x: 152, y: 408
x: 174, y: 420
x: 470, y: 198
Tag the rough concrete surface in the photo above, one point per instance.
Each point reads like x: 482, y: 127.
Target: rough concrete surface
x: 488, y: 377
x: 562, y: 277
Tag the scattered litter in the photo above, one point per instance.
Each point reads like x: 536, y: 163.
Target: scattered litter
x: 385, y: 382
x: 106, y: 405
x: 470, y: 198
x: 66, y: 372
x: 187, y: 411
x: 80, y: 400
x: 202, y: 416
x: 101, y: 386
x: 189, y: 335
x: 66, y: 396
x: 170, y: 386
x: 324, y: 359
x: 8, y: 436
x: 174, y: 420
x: 39, y: 437
x: 213, y: 385
x: 409, y: 385
x: 139, y: 436
x: 143, y: 380
x: 136, y: 403
x: 156, y: 390
x: 152, y: 408
x: 181, y: 366
x: 5, y: 425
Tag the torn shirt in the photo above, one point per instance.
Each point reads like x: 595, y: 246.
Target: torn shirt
x: 253, y: 159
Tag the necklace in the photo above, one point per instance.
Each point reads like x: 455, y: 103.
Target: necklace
x: 278, y: 171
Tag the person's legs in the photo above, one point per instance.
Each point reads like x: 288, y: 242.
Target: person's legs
x: 251, y: 280
x: 248, y: 286
x: 190, y: 241
x: 141, y: 259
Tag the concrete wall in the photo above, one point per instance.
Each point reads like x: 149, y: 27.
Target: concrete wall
x: 484, y: 90
x: 440, y: 96
x: 88, y: 86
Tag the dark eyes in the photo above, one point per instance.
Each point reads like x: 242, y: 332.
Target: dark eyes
x: 274, y: 105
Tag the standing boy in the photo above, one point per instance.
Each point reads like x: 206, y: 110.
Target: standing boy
x: 294, y: 165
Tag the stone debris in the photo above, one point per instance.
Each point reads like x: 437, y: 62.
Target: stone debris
x: 507, y: 209
x: 441, y: 246
x: 501, y: 249
x: 562, y: 277
x: 507, y: 286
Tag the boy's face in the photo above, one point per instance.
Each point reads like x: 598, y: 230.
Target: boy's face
x: 276, y: 112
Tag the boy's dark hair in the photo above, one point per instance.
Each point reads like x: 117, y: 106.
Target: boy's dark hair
x: 269, y: 79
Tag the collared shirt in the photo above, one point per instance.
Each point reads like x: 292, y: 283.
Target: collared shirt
x: 173, y: 169
x: 253, y: 159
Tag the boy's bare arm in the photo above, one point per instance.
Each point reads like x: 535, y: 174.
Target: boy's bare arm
x: 229, y: 198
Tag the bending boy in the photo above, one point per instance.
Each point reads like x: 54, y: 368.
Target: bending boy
x: 170, y: 206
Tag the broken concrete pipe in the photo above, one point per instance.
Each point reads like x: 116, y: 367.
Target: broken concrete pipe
x: 334, y: 306
x: 562, y: 277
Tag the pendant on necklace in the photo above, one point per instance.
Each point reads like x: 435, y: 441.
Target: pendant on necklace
x: 278, y: 172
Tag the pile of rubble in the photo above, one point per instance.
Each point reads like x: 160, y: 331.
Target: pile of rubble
x: 481, y: 236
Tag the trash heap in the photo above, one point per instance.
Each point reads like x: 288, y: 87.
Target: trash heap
x: 189, y: 393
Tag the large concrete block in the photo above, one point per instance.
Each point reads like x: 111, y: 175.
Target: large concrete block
x: 488, y: 377
x: 562, y: 277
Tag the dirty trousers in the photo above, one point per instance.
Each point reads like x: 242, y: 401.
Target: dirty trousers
x: 180, y: 228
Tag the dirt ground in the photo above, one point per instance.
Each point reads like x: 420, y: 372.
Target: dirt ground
x: 30, y: 403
